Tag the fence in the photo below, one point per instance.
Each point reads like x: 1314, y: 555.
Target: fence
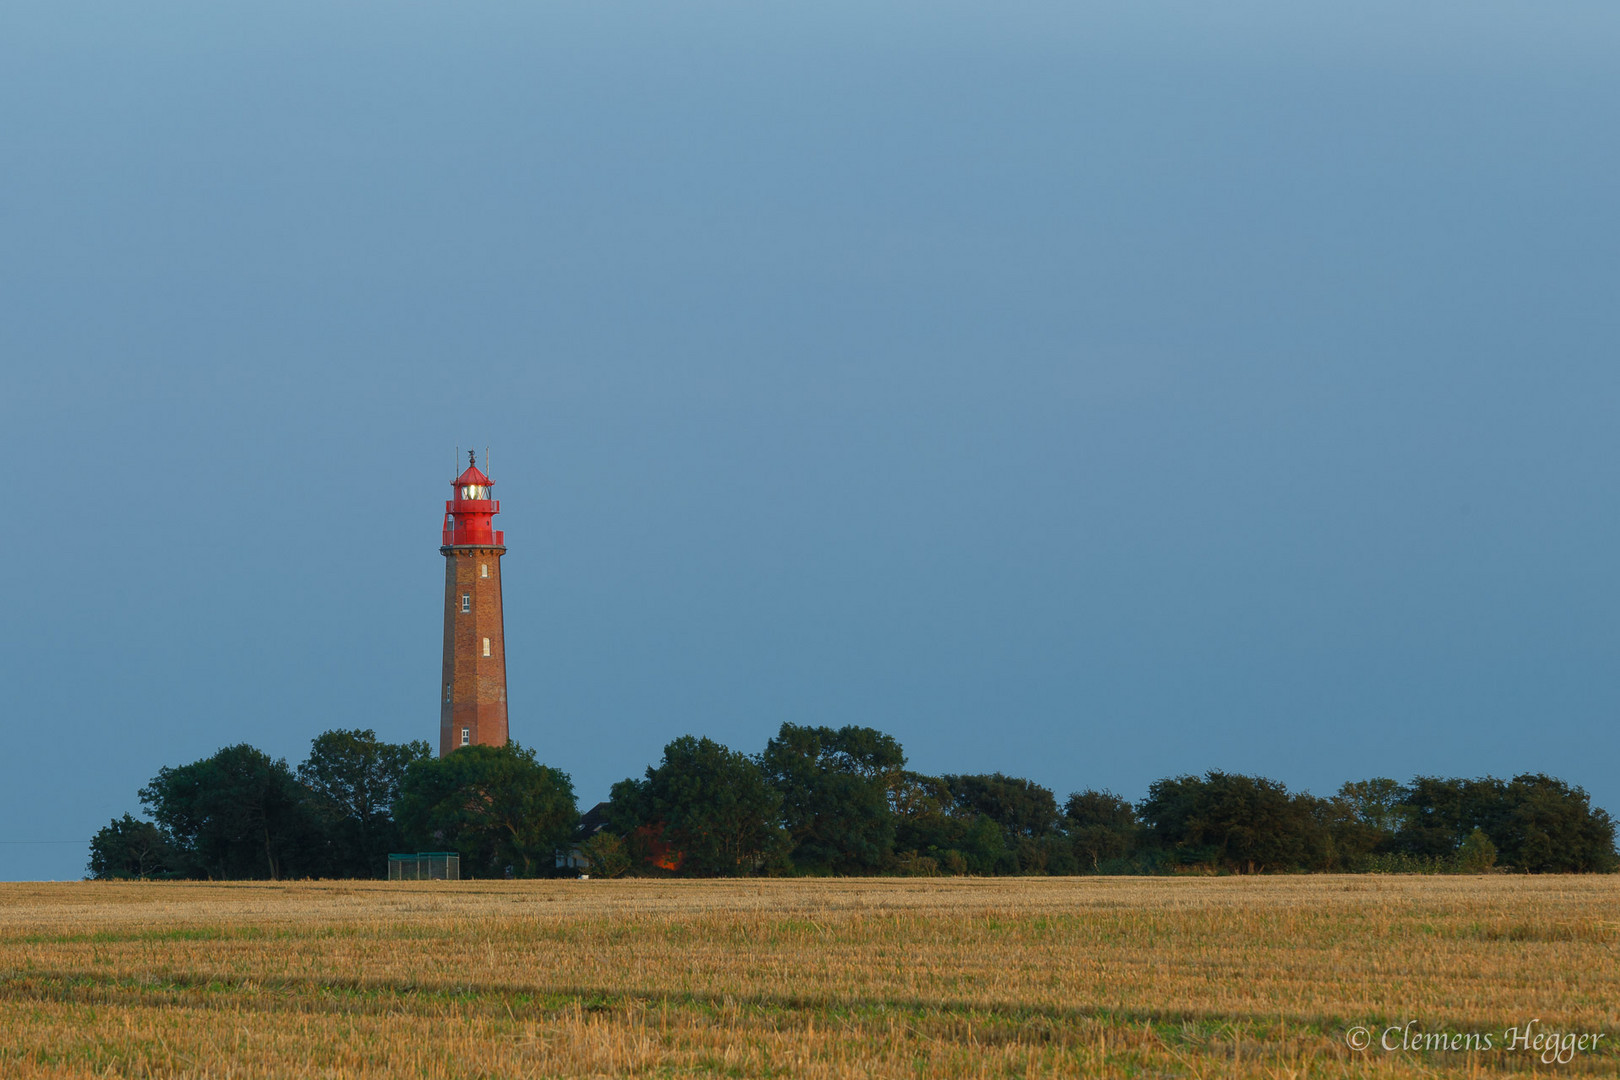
x: 425, y: 866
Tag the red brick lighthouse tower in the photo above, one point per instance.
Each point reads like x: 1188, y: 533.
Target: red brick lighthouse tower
x: 472, y: 705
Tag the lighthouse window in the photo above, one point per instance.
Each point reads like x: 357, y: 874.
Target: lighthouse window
x: 466, y: 601
x: 465, y: 736
x: 486, y: 646
x: 484, y: 568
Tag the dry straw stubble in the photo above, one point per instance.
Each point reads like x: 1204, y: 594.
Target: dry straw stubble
x: 818, y: 978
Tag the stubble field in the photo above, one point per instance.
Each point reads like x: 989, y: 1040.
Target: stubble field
x: 1029, y: 977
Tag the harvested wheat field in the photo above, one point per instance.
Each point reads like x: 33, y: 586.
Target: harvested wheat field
x: 1225, y: 977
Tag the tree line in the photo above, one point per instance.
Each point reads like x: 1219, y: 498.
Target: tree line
x: 355, y: 799
x: 814, y: 801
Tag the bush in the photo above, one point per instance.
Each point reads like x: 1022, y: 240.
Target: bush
x: 605, y: 855
x: 1477, y: 854
x: 911, y: 864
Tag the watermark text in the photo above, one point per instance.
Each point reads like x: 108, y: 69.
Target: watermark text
x: 1549, y: 1046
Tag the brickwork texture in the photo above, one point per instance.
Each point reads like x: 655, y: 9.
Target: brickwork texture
x: 472, y: 691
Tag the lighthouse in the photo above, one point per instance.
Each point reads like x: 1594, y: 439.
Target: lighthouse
x: 472, y: 707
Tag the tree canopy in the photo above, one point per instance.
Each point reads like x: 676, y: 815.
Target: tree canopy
x: 353, y: 780
x: 1239, y: 823
x: 237, y: 814
x: 128, y: 848
x: 496, y: 805
x: 710, y: 803
x: 1102, y: 826
x: 816, y: 800
x: 834, y: 787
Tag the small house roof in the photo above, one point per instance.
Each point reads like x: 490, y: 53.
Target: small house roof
x: 593, y: 821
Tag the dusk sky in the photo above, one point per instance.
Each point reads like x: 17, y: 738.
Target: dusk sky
x: 1090, y: 392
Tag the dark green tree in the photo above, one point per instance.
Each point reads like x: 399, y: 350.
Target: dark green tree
x: 923, y: 825
x: 1026, y: 815
x: 1437, y: 813
x: 354, y: 780
x: 710, y: 804
x: 238, y: 814
x: 1246, y: 824
x: 1536, y: 823
x: 1363, y: 820
x: 834, y: 786
x: 127, y: 848
x: 1377, y: 804
x: 1102, y: 827
x: 1549, y: 827
x: 1050, y: 854
x: 932, y: 824
x: 1019, y: 807
x: 495, y: 805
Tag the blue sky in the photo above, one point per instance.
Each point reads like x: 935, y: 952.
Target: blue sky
x: 1090, y: 392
